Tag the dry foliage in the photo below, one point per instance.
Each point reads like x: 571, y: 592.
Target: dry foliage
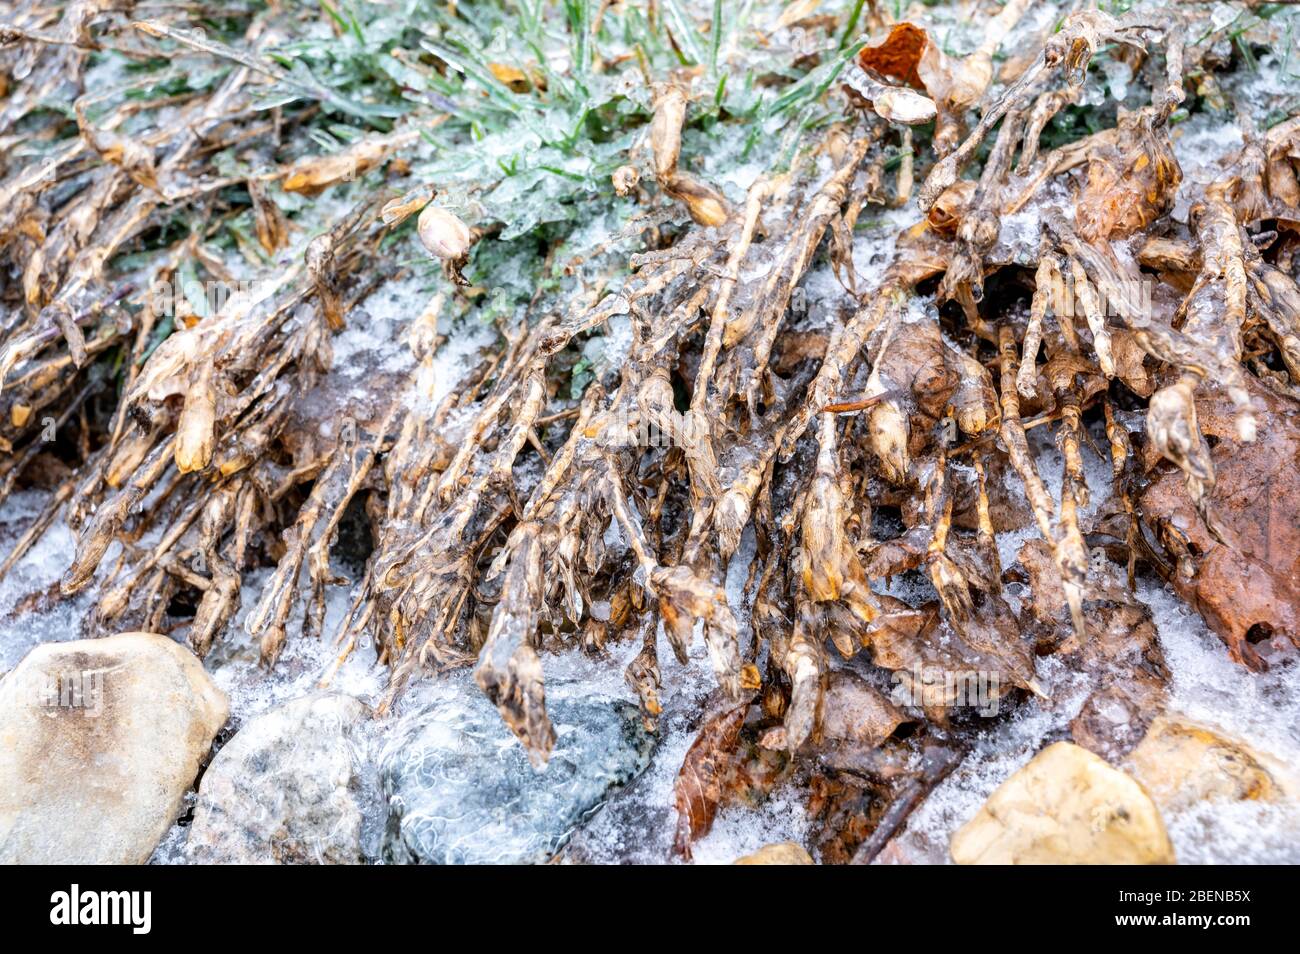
x: 211, y: 459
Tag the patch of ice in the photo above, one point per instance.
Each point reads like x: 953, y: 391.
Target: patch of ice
x: 37, y: 572
x: 738, y: 568
x: 874, y: 243
x: 1200, y: 145
x: 302, y: 665
x: 1118, y: 75
x: 741, y: 830
x: 455, y: 358
x: 1219, y: 832
x: 609, y: 350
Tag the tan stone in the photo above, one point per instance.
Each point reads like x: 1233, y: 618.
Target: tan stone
x: 781, y: 853
x: 1067, y: 806
x: 1181, y: 762
x: 99, y: 741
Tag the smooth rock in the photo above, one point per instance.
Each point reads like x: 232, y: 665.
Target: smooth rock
x: 1181, y: 762
x: 291, y: 787
x: 1067, y: 806
x: 781, y: 853
x: 99, y: 741
x: 460, y: 788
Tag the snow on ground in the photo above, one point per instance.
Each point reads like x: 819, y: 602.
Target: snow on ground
x: 53, y: 620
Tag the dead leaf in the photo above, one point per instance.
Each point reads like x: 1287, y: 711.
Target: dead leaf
x: 856, y: 712
x: 1247, y: 584
x: 707, y: 775
x: 1129, y: 184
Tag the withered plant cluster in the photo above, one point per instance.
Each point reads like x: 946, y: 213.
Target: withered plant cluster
x: 898, y: 439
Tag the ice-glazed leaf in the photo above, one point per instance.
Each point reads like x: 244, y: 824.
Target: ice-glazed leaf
x: 1242, y: 570
x: 707, y: 778
x: 1128, y: 183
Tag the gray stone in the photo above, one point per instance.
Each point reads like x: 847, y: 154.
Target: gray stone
x: 99, y: 741
x: 289, y: 788
x: 460, y: 788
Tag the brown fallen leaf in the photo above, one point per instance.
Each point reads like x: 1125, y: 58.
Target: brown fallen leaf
x: 706, y: 776
x: 270, y: 224
x: 856, y: 712
x: 1121, y: 655
x: 1244, y: 579
x: 511, y: 76
x: 934, y: 667
x: 845, y: 810
x: 1131, y: 183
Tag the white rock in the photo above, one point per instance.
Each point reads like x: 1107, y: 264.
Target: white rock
x: 99, y: 741
x: 289, y: 788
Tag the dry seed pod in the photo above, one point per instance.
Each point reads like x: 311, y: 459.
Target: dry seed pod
x: 625, y: 179
x: 949, y: 209
x: 423, y: 334
x: 975, y: 403
x: 705, y: 203
x: 708, y: 207
x: 904, y: 106
x: 888, y: 425
x: 805, y: 664
x: 823, y: 538
x: 130, y: 155
x: 888, y: 434
x: 195, y: 432
x: 312, y: 174
x: 1172, y: 426
x: 269, y: 222
x: 404, y: 206
x: 127, y: 457
x: 444, y: 234
x: 666, y: 131
x: 894, y: 103
x: 684, y: 598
